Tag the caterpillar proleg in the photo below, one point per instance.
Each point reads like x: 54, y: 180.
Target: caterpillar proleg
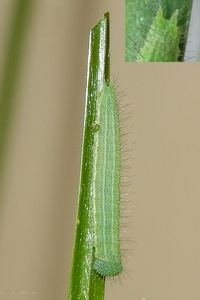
x: 107, y: 184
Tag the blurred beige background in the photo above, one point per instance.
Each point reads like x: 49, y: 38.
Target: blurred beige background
x: 160, y: 238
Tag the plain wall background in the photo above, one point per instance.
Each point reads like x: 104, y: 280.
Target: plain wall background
x: 38, y: 206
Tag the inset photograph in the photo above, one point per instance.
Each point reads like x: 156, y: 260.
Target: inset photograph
x: 159, y: 30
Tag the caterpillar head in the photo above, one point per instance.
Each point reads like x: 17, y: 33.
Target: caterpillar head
x: 107, y: 268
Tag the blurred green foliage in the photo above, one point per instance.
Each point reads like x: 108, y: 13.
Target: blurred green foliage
x: 11, y: 69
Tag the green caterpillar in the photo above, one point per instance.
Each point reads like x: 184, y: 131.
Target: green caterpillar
x: 106, y: 189
x: 162, y: 41
x: 156, y: 30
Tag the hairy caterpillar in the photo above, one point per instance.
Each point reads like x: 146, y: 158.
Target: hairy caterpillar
x: 162, y: 41
x: 152, y: 23
x: 106, y: 190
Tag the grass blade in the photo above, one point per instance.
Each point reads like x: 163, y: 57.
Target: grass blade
x: 85, y: 283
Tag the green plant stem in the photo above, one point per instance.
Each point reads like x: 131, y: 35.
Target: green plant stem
x: 85, y: 284
x: 11, y: 70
